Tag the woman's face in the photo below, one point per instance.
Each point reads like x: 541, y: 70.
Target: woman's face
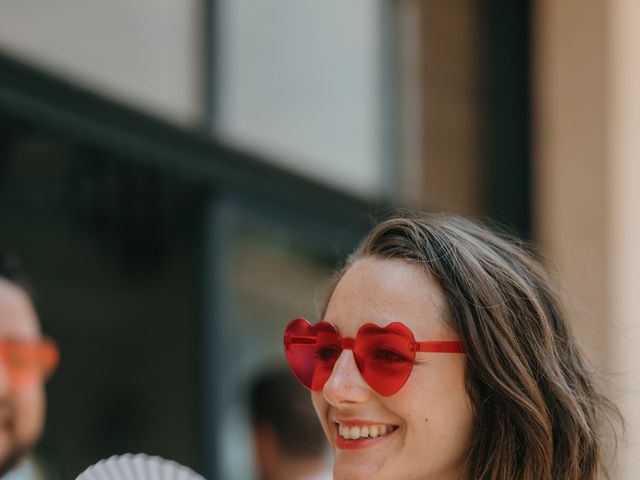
x: 429, y: 420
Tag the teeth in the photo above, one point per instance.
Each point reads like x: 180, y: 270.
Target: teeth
x: 365, y: 431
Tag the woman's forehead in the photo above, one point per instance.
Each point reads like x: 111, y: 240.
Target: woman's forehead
x: 18, y: 318
x: 382, y: 291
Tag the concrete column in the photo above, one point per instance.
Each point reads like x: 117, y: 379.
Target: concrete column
x: 587, y: 184
x: 623, y: 161
x: 570, y: 139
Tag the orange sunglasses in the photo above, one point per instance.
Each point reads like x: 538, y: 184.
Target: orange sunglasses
x: 29, y: 362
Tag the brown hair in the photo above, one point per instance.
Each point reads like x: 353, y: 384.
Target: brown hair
x: 537, y: 412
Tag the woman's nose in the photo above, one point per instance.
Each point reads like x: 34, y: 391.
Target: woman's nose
x: 346, y: 385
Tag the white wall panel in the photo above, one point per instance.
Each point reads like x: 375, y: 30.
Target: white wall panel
x: 142, y: 52
x: 300, y: 80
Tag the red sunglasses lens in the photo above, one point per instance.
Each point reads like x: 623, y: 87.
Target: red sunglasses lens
x: 312, y: 351
x: 384, y: 356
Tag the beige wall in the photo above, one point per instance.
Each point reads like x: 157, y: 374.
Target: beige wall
x: 587, y: 184
x: 570, y: 132
x: 624, y: 193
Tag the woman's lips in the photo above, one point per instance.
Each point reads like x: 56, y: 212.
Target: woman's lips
x: 354, y: 435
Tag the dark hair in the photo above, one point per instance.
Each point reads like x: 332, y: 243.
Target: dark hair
x: 278, y: 401
x: 537, y: 412
x: 11, y: 270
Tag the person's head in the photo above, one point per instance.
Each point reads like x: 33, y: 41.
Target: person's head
x: 287, y: 435
x: 25, y: 360
x: 517, y: 404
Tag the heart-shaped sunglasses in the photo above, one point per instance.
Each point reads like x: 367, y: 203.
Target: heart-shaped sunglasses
x: 384, y: 355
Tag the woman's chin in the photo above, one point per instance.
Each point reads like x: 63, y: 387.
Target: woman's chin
x: 354, y: 468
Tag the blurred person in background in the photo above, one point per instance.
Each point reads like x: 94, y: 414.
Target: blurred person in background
x: 26, y: 360
x: 289, y: 442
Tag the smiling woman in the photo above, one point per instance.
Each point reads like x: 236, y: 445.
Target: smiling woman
x: 444, y: 353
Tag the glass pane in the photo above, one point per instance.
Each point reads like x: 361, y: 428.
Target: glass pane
x: 277, y: 275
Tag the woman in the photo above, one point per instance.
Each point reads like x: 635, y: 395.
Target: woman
x: 444, y: 353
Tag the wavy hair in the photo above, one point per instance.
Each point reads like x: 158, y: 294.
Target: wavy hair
x: 537, y: 412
